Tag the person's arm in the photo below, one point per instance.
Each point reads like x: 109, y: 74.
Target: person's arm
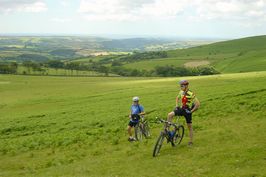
x: 130, y: 113
x: 176, y: 101
x: 197, y: 105
x: 142, y: 111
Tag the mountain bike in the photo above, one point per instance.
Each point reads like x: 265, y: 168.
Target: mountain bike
x: 174, y: 136
x: 142, y: 129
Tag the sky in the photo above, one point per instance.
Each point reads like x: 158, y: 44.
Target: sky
x: 166, y: 18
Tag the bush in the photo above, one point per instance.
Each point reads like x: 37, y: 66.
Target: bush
x: 144, y: 55
x: 8, y: 68
x: 207, y: 71
x: 166, y: 71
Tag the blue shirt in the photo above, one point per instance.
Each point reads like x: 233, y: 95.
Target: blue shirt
x: 136, y: 109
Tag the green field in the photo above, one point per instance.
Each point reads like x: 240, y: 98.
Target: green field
x: 73, y: 126
x: 151, y: 64
x: 240, y: 55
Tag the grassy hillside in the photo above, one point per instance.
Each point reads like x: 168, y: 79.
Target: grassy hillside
x: 59, y: 126
x: 43, y: 48
x: 151, y: 64
x: 231, y: 46
x: 240, y: 55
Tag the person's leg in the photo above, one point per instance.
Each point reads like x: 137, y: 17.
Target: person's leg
x: 129, y: 130
x: 170, y: 116
x: 189, y: 125
x: 190, y: 129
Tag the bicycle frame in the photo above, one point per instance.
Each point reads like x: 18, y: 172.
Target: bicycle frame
x: 166, y: 130
x: 174, y: 137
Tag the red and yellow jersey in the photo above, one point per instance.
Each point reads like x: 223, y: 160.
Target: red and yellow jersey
x: 186, y: 98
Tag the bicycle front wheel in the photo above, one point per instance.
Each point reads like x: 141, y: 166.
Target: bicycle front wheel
x: 179, y: 134
x: 158, y: 144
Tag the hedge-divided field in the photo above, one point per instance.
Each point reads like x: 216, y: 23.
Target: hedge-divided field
x: 75, y: 126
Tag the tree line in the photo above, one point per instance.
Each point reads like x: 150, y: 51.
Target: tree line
x: 160, y: 71
x: 135, y: 57
x: 165, y: 71
x: 8, y: 68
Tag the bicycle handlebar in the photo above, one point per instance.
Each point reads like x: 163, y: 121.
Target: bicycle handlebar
x: 165, y: 121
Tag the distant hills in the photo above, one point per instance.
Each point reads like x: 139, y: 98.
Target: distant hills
x: 68, y: 47
x: 140, y: 56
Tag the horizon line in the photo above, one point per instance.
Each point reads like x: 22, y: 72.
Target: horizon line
x: 114, y: 36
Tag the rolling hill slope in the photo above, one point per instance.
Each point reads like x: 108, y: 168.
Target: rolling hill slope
x: 240, y: 55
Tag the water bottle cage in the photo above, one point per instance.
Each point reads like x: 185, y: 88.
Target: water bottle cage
x: 171, y: 134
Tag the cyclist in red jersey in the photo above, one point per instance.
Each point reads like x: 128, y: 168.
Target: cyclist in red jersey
x: 186, y: 104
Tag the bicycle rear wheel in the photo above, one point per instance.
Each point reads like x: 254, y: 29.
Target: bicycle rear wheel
x: 179, y: 134
x: 158, y: 144
x: 138, y: 132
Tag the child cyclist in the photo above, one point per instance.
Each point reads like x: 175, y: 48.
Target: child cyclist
x: 136, y: 112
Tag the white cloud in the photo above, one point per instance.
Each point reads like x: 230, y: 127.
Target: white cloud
x: 112, y: 17
x: 65, y: 3
x: 34, y: 6
x: 127, y: 10
x: 199, y: 10
x: 163, y: 8
x: 229, y: 9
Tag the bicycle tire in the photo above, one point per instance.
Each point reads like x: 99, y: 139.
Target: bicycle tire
x: 146, y: 130
x: 138, y: 133
x: 179, y: 134
x: 158, y: 144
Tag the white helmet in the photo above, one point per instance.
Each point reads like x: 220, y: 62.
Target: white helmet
x: 135, y: 98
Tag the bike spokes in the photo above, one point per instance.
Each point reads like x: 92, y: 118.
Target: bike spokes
x: 179, y: 134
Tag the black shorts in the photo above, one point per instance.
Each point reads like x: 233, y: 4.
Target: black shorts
x: 134, y: 121
x: 132, y: 124
x: 182, y: 112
